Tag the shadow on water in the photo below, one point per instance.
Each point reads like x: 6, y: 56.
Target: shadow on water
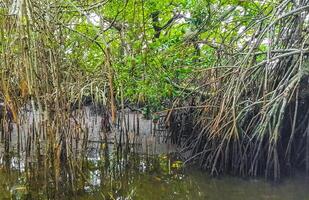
x: 135, y: 162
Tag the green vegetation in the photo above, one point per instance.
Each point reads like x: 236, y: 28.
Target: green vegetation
x: 230, y: 76
x: 153, y: 47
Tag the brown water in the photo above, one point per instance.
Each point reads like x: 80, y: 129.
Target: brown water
x: 148, y: 169
x: 137, y: 177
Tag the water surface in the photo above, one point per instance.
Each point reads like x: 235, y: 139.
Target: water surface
x: 139, y: 177
x: 145, y: 168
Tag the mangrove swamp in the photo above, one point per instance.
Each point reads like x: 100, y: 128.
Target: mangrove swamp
x: 154, y: 99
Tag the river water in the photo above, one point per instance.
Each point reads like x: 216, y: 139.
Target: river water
x: 144, y: 178
x: 149, y: 168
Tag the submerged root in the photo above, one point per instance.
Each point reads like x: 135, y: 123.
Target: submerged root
x: 257, y: 121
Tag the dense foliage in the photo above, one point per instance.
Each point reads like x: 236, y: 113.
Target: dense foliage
x: 155, y: 46
x: 236, y: 70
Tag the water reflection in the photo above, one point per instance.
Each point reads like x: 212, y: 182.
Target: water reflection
x: 113, y: 175
x: 124, y: 175
x: 97, y: 167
